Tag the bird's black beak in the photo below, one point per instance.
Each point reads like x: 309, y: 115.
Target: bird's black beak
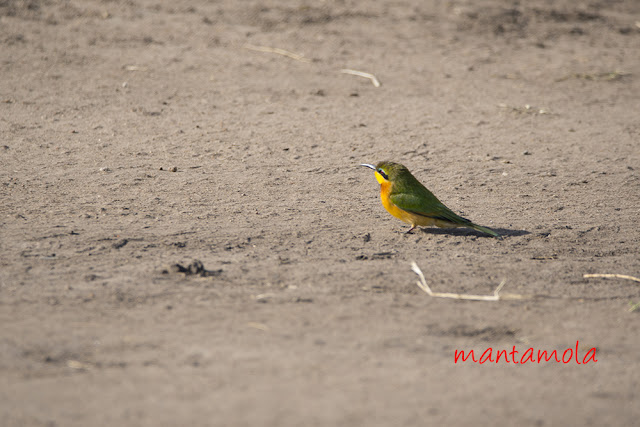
x: 368, y: 165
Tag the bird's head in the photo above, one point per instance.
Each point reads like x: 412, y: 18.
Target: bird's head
x: 387, y: 171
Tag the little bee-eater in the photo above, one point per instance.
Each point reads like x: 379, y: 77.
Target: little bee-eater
x: 404, y: 197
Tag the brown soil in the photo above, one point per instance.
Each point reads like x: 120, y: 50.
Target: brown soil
x: 141, y: 135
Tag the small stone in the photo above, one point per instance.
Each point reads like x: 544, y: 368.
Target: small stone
x: 196, y: 267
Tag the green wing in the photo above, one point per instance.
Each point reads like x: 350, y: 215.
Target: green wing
x: 426, y: 204
x: 410, y: 195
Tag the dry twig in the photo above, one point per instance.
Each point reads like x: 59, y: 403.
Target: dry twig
x: 278, y: 51
x: 257, y: 325
x: 371, y: 77
x: 527, y: 109
x: 618, y: 276
x: 422, y: 284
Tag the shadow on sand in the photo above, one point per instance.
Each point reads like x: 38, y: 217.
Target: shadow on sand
x: 504, y: 232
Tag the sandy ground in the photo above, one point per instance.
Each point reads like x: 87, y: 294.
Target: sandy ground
x: 140, y: 135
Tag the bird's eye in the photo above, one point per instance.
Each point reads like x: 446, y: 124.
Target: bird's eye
x: 381, y: 172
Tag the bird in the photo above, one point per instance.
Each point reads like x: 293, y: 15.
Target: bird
x: 404, y: 197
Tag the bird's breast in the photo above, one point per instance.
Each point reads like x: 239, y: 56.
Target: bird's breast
x: 408, y: 217
x: 385, y: 192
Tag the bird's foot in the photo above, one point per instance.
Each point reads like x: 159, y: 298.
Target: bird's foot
x: 409, y: 231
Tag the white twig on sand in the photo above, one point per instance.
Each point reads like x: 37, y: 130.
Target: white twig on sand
x: 371, y: 77
x: 617, y: 276
x: 134, y: 68
x: 278, y: 51
x: 258, y: 325
x: 422, y: 284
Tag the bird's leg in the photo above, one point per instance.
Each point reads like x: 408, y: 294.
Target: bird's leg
x: 410, y: 230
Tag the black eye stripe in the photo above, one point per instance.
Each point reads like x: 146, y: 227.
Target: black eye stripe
x: 381, y: 172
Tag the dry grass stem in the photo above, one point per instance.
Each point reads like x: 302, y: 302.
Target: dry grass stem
x: 422, y: 284
x: 278, y: 51
x: 371, y: 77
x: 527, y: 109
x: 134, y: 68
x: 258, y: 325
x: 617, y: 276
x: 77, y: 365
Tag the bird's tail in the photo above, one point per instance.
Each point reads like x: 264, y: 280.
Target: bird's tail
x: 485, y: 230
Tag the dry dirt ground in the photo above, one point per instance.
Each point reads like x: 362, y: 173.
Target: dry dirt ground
x: 137, y: 135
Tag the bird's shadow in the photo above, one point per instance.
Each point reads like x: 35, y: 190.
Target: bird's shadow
x: 503, y: 232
